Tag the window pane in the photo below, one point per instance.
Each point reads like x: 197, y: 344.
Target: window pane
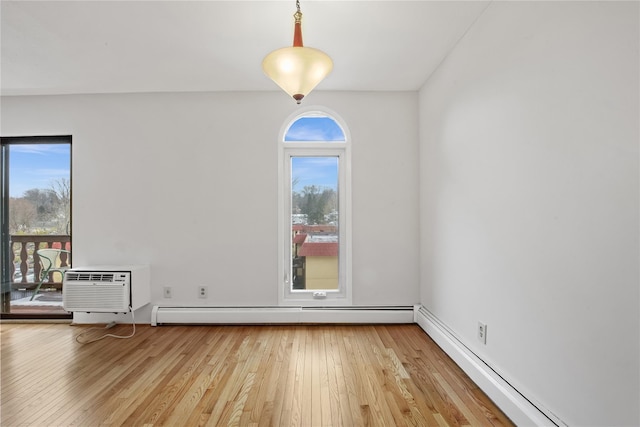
x: 314, y: 223
x: 315, y: 129
x: 39, y: 188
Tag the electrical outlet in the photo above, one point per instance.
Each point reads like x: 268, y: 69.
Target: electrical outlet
x: 482, y: 332
x: 167, y: 291
x: 202, y: 292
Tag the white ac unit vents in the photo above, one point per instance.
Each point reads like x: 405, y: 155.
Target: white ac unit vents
x: 106, y: 289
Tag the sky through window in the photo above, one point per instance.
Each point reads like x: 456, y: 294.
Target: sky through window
x: 37, y: 166
x: 315, y: 129
x: 314, y: 170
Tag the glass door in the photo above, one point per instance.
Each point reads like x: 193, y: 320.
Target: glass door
x: 36, y: 215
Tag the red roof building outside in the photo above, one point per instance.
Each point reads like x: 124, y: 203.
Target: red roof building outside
x: 319, y: 249
x: 299, y: 238
x: 58, y: 245
x: 322, y: 228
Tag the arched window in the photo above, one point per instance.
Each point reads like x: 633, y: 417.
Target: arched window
x: 315, y: 204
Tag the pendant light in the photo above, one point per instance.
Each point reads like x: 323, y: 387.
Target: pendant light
x: 297, y: 69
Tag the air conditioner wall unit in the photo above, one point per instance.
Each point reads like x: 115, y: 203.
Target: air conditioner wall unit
x: 106, y: 288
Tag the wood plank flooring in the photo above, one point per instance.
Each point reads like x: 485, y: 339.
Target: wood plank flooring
x: 302, y: 375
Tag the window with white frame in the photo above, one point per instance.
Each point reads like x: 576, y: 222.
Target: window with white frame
x: 315, y: 210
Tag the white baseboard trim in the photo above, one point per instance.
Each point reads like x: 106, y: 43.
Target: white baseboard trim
x: 516, y: 406
x: 279, y: 315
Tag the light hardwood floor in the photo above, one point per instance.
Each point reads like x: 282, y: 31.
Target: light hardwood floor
x: 303, y: 375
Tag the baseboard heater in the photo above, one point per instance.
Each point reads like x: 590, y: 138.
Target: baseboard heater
x: 520, y: 409
x: 161, y: 315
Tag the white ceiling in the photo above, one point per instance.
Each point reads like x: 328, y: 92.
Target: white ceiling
x: 65, y: 47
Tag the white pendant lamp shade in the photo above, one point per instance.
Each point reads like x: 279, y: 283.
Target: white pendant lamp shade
x: 297, y: 69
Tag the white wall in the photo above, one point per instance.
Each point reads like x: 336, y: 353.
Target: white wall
x: 529, y: 202
x: 188, y: 184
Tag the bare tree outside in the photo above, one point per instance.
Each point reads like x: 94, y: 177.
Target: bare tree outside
x: 22, y: 215
x: 62, y: 189
x: 45, y: 202
x: 42, y: 210
x: 316, y: 202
